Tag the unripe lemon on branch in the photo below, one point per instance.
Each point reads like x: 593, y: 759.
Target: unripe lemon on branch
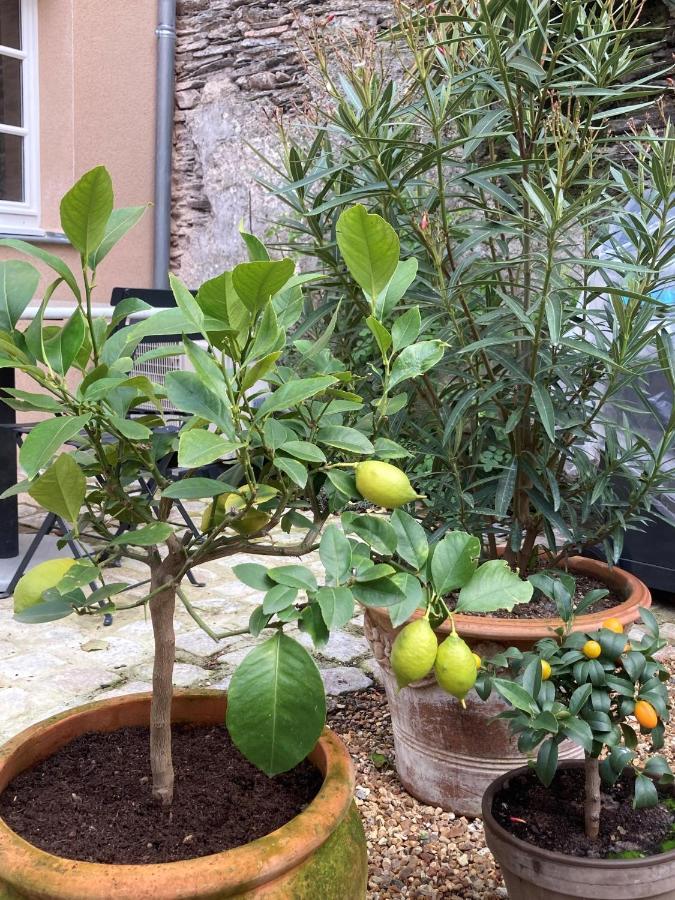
x: 413, y: 652
x: 455, y: 667
x: 30, y: 587
x: 383, y: 484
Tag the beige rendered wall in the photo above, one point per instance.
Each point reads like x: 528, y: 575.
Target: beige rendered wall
x: 97, y: 106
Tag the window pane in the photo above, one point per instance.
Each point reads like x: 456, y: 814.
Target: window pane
x: 10, y: 23
x: 10, y: 90
x: 11, y: 167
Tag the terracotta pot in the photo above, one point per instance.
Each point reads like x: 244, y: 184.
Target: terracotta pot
x: 319, y: 853
x: 531, y: 873
x: 447, y: 756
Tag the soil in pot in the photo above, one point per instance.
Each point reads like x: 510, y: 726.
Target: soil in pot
x: 541, y: 607
x: 553, y: 818
x: 92, y: 801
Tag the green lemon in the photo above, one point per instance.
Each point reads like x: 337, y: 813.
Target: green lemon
x: 413, y: 652
x: 383, y: 484
x: 226, y: 504
x: 455, y: 667
x: 30, y: 587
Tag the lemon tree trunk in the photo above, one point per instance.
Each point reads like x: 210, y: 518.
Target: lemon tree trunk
x: 162, y: 607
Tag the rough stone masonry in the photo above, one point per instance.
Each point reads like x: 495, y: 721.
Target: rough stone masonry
x: 237, y: 61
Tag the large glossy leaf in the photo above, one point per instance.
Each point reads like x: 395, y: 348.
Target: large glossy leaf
x: 198, y: 447
x: 336, y: 555
x: 45, y: 438
x: 294, y: 576
x: 276, y: 705
x: 86, y: 209
x: 293, y: 393
x: 18, y: 283
x: 49, y: 259
x: 62, y: 349
x: 411, y: 538
x: 219, y: 300
x: 375, y: 531
x: 337, y: 605
x: 256, y: 282
x: 344, y: 438
x: 413, y: 596
x: 406, y: 328
x: 415, y: 360
x: 404, y: 275
x: 189, y: 394
x: 454, y: 561
x: 369, y: 247
x: 147, y: 536
x: 196, y: 488
x: 494, y: 586
x: 61, y: 488
x: 186, y: 302
x: 118, y: 224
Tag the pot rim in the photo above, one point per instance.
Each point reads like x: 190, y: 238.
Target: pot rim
x: 531, y: 630
x: 221, y: 874
x: 552, y: 855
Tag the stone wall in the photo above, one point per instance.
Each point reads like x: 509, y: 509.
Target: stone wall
x: 236, y: 62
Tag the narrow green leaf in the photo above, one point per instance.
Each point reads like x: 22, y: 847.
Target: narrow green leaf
x: 45, y: 438
x: 147, y: 536
x: 18, y: 283
x: 293, y: 393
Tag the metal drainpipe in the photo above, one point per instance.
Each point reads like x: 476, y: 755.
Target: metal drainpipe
x: 166, y: 52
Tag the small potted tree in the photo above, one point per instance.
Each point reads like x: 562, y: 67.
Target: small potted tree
x: 501, y: 158
x: 275, y: 451
x: 604, y: 826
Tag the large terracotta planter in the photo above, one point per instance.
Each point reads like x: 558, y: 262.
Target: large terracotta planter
x: 319, y: 853
x: 531, y: 873
x: 447, y: 756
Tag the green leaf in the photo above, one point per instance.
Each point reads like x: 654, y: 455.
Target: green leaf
x: 413, y: 598
x: 376, y: 532
x: 256, y: 282
x: 579, y: 731
x: 384, y: 592
x: 18, y: 283
x: 219, y: 300
x: 386, y: 449
x: 414, y: 360
x: 258, y: 620
x: 189, y: 394
x: 119, y: 222
x: 411, y: 539
x: 406, y: 328
x: 295, y: 470
x: 454, y: 561
x: 253, y: 575
x: 646, y: 794
x: 198, y: 447
x: 542, y: 401
x: 374, y: 572
x: 293, y: 393
x: 505, y: 486
x: 335, y: 553
x: 304, y: 450
x: 404, y: 275
x: 272, y: 722
x: 186, y: 302
x: 61, y: 488
x: 62, y: 349
x: 196, y: 488
x: 86, y: 209
x: 579, y: 698
x: 547, y: 762
x: 45, y: 438
x: 343, y: 483
x: 49, y: 259
x: 494, y: 586
x: 256, y: 248
x: 258, y: 370
x: 369, y: 247
x: 277, y: 598
x: 135, y: 431
x: 337, y: 606
x: 294, y: 576
x: 381, y: 334
x: 312, y: 623
x: 516, y: 695
x: 147, y: 536
x: 344, y: 438
x: 48, y: 611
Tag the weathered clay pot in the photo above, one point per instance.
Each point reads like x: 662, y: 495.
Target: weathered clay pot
x: 447, y: 756
x: 534, y: 874
x: 319, y: 853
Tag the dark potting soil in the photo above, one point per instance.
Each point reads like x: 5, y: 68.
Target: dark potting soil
x: 541, y: 607
x: 553, y: 818
x: 92, y: 799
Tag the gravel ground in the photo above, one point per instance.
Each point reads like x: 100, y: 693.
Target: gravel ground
x: 415, y: 850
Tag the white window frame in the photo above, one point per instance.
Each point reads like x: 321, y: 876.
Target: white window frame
x: 24, y: 217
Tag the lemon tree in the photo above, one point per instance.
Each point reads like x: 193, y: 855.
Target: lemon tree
x: 599, y: 700
x: 273, y: 426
